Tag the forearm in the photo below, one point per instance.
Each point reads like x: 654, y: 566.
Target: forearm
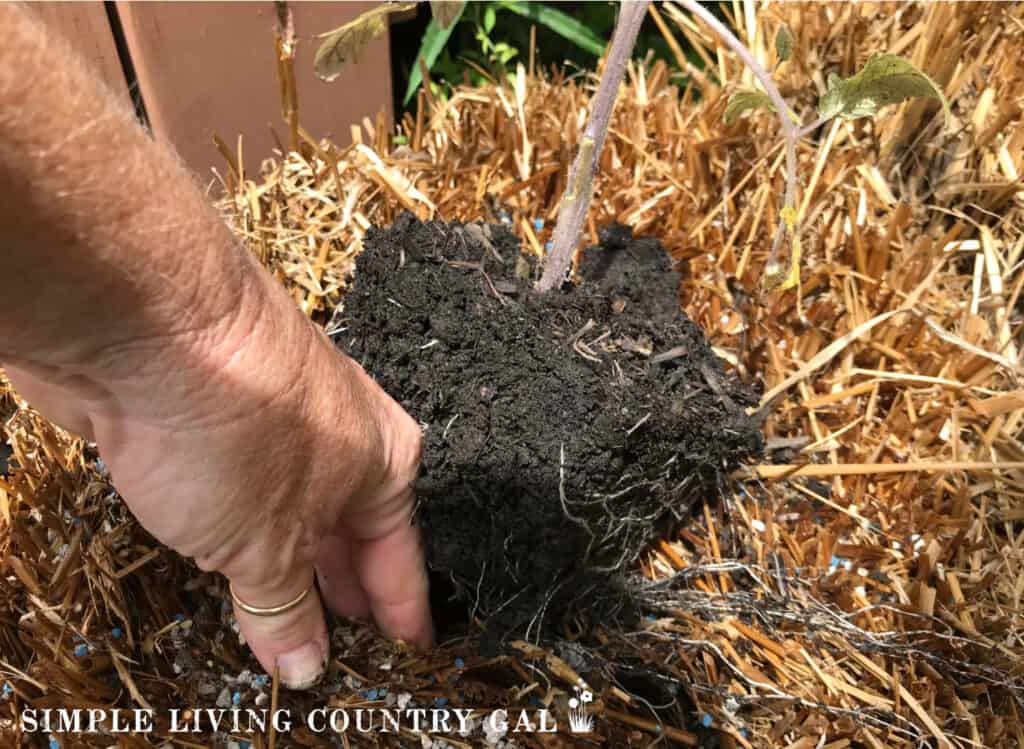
x: 106, y: 239
x: 233, y: 429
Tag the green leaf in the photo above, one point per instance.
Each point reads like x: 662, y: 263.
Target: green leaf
x: 484, y: 40
x: 434, y: 39
x: 743, y: 100
x: 446, y: 12
x: 562, y: 24
x: 885, y: 79
x: 503, y: 53
x: 783, y: 44
x: 490, y: 18
x: 348, y: 42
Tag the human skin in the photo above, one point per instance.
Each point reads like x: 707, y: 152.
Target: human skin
x: 235, y: 431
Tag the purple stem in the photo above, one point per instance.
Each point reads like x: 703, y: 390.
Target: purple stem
x: 790, y: 129
x: 576, y: 201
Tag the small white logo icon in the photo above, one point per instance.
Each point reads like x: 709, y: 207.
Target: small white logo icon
x: 579, y: 721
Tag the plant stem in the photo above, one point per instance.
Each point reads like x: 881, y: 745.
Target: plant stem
x: 790, y: 130
x: 808, y: 129
x: 576, y: 201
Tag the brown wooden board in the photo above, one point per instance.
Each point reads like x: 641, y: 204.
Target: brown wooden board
x: 209, y: 68
x: 85, y: 26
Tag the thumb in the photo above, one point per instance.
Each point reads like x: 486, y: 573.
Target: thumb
x: 294, y: 640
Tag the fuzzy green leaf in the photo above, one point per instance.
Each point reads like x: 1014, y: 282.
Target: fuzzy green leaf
x: 884, y: 79
x: 741, y: 101
x: 349, y: 41
x: 783, y: 44
x: 446, y: 12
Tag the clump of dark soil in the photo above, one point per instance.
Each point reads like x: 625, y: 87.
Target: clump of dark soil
x: 562, y: 431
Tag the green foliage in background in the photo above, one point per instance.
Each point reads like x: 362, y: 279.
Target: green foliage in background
x: 478, y: 41
x: 434, y: 40
x: 491, y: 37
x: 494, y: 45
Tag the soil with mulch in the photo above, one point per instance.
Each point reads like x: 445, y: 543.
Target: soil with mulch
x: 562, y: 431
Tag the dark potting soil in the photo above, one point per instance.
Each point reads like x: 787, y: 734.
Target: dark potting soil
x: 562, y: 431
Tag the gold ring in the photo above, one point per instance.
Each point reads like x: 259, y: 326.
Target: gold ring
x: 271, y: 610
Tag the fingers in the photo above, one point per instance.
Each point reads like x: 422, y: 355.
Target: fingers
x: 388, y: 562
x: 295, y: 641
x: 337, y: 579
x: 368, y: 563
x: 386, y: 552
x: 383, y: 577
x: 393, y: 574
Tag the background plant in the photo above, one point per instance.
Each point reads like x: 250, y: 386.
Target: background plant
x: 885, y: 79
x: 460, y: 53
x: 490, y: 35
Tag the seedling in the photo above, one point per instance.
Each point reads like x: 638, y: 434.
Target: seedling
x: 884, y: 79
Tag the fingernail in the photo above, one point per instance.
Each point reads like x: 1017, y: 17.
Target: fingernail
x: 302, y: 667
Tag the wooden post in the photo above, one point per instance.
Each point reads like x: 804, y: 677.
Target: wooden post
x: 208, y: 68
x: 85, y: 26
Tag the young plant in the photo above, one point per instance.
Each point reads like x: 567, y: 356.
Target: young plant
x: 885, y: 79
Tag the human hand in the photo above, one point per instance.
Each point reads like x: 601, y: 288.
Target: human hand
x: 260, y: 451
x: 232, y: 427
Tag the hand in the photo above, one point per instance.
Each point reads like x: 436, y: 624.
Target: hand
x: 262, y: 452
x: 233, y: 428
